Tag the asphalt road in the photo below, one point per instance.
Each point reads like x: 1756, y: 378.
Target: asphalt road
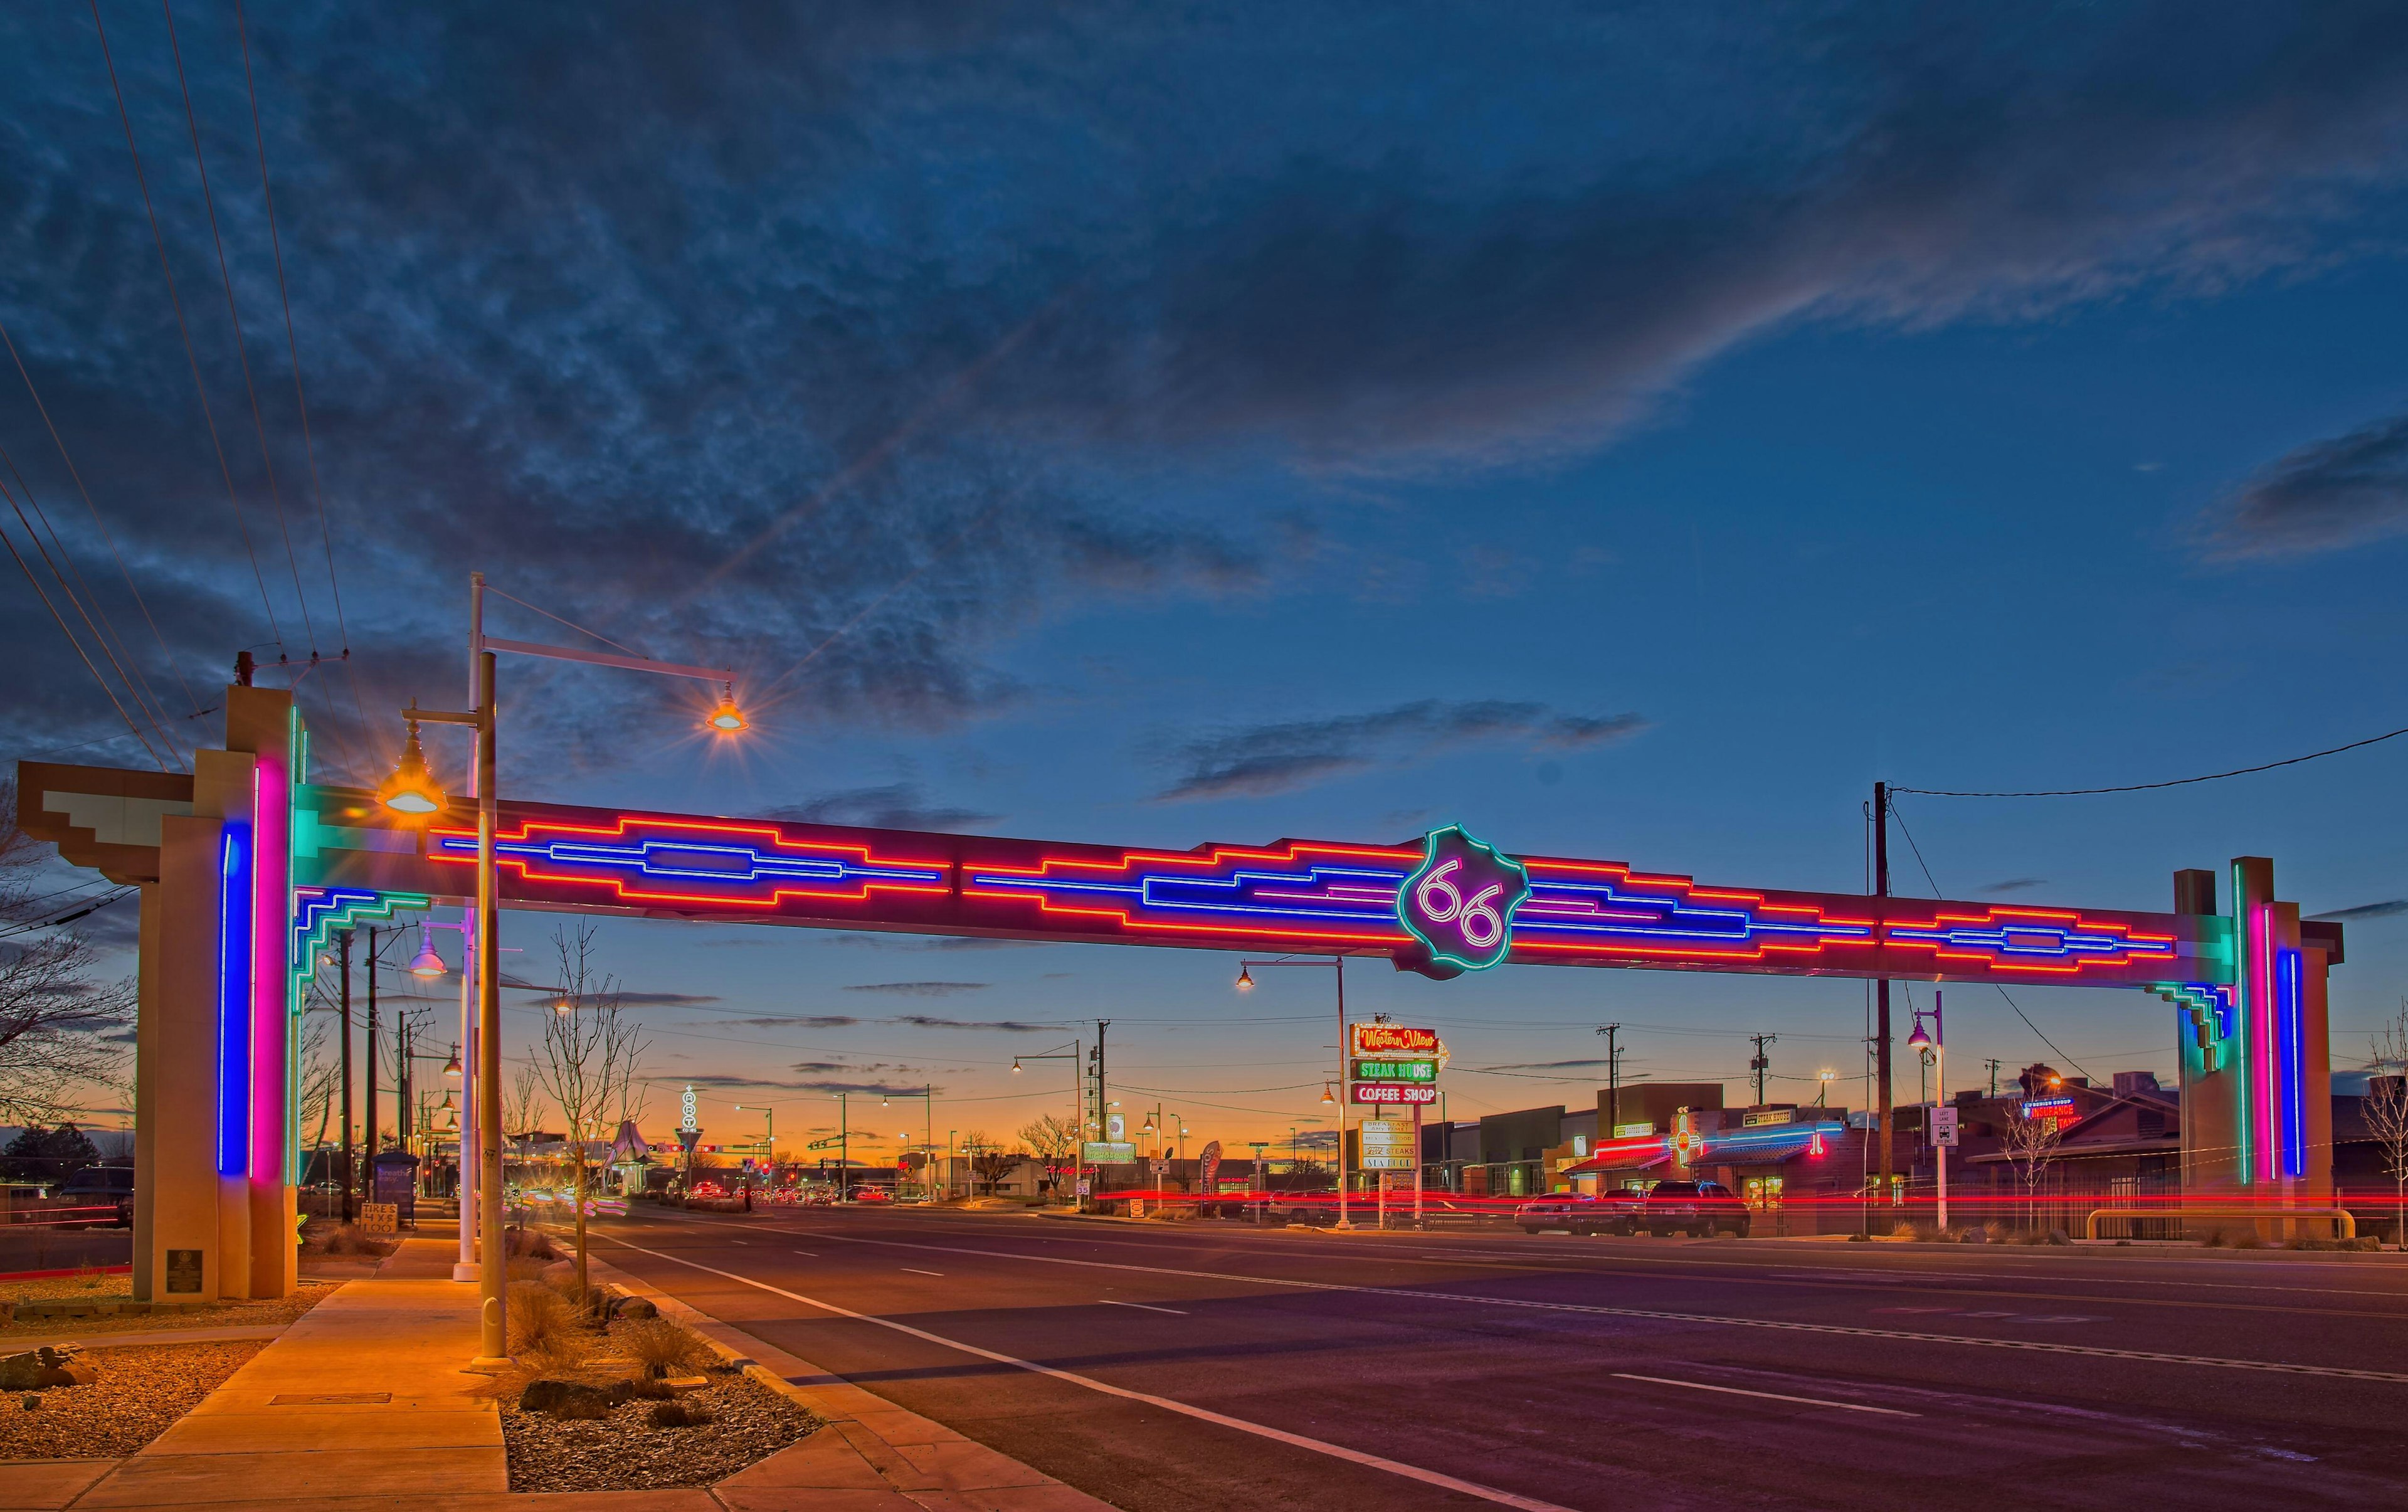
x: 1215, y: 1365
x: 28, y: 1247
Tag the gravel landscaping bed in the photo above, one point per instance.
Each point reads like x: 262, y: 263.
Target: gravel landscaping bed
x: 118, y: 1289
x: 139, y: 1393
x: 624, y: 1452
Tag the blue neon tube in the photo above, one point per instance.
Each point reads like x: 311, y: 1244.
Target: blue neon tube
x: 233, y: 1002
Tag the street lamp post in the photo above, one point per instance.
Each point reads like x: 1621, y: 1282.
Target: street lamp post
x: 410, y: 793
x: 1343, y: 1084
x: 1937, y: 1042
x: 1076, y: 1056
x: 769, y: 1146
x: 426, y: 966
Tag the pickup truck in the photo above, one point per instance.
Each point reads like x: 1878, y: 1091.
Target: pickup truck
x: 1696, y: 1208
x: 1614, y: 1211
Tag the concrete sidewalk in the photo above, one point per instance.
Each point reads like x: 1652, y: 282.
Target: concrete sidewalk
x: 361, y: 1405
x: 362, y: 1393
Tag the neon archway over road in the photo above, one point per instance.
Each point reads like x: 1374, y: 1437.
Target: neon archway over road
x: 1304, y: 896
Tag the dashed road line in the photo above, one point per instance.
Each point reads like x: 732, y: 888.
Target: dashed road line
x: 1770, y: 1396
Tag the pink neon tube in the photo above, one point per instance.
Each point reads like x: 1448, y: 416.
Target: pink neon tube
x: 271, y: 872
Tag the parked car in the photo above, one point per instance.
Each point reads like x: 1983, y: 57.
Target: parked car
x: 1696, y: 1208
x: 1613, y: 1212
x: 98, y: 1187
x: 872, y: 1194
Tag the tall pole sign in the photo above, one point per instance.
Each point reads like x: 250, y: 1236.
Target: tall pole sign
x: 1459, y: 903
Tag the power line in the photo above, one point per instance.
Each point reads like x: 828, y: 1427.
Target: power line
x: 2003, y: 991
x: 100, y: 637
x: 176, y: 298
x: 241, y: 348
x: 2177, y: 781
x: 111, y: 693
x: 292, y: 343
x: 106, y: 535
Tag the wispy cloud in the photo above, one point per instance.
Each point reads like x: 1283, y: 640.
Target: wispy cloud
x: 769, y: 1084
x: 2015, y: 884
x: 1001, y: 1026
x: 664, y: 999
x: 893, y: 806
x: 2341, y: 491
x: 2366, y: 910
x: 870, y: 941
x: 1544, y: 1065
x: 921, y: 989
x: 798, y: 1021
x: 1260, y: 760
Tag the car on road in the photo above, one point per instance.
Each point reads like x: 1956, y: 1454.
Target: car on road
x: 1614, y: 1211
x: 872, y: 1194
x: 103, y: 1191
x: 1696, y: 1208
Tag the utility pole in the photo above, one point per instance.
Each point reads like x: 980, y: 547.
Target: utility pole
x: 369, y: 1185
x: 349, y: 1166
x: 1993, y: 1064
x: 1881, y: 985
x: 1761, y: 1064
x: 1103, y: 1119
x: 1613, y: 1079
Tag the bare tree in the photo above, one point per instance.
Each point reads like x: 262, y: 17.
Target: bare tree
x: 992, y: 1163
x: 2029, y: 1143
x: 2386, y: 1112
x: 520, y: 1100
x: 1052, y: 1136
x: 589, y: 1053
x: 322, y: 1074
x: 59, y: 1030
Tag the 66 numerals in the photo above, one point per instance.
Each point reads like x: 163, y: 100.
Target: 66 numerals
x: 1477, y: 918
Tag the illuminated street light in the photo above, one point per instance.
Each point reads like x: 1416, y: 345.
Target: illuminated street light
x: 411, y: 791
x: 427, y: 965
x: 1245, y: 980
x: 452, y: 1069
x: 1016, y: 1065
x: 727, y: 719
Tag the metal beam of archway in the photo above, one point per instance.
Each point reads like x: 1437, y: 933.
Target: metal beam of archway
x: 1300, y: 896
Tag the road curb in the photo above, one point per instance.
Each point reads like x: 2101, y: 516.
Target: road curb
x: 875, y: 1428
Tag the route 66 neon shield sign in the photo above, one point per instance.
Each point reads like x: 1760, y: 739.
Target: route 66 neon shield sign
x: 1459, y: 903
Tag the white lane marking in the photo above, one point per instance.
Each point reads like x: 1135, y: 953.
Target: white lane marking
x: 812, y: 1253
x: 916, y: 1270
x: 1172, y: 1311
x: 1770, y: 1396
x: 1709, y: 1320
x: 1337, y: 1451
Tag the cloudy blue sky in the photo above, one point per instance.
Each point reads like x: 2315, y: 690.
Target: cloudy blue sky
x: 1628, y: 432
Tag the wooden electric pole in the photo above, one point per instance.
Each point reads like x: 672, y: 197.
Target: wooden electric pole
x: 1881, y: 991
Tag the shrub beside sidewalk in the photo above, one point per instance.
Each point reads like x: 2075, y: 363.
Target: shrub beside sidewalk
x: 609, y: 1397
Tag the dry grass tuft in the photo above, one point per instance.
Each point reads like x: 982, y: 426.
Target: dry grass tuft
x: 534, y: 1244
x: 538, y: 1318
x: 676, y: 1414
x: 662, y: 1347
